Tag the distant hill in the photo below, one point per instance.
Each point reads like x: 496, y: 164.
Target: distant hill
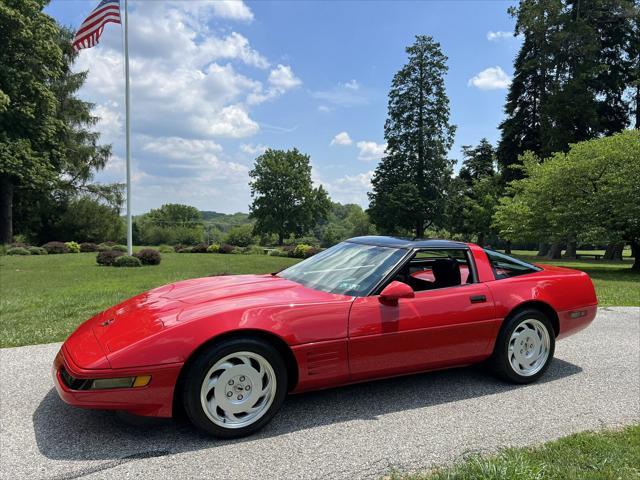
x: 224, y: 221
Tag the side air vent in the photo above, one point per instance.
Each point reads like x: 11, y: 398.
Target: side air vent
x: 323, y: 362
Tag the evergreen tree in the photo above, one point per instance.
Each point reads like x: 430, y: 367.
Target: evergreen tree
x: 409, y: 184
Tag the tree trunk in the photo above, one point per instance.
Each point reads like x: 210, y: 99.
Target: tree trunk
x: 614, y: 251
x: 571, y: 250
x: 635, y: 253
x: 507, y: 248
x: 555, y: 251
x: 543, y: 249
x: 280, y: 238
x: 419, y: 229
x: 6, y: 209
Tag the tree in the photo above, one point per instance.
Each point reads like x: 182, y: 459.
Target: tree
x: 30, y: 59
x: 570, y: 76
x: 473, y: 195
x: 409, y: 184
x: 602, y: 179
x: 48, y: 153
x: 172, y: 223
x: 86, y: 219
x: 284, y: 199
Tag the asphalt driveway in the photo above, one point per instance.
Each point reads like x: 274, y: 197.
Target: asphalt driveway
x: 361, y: 431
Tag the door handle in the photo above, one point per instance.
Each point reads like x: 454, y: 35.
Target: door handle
x: 478, y: 298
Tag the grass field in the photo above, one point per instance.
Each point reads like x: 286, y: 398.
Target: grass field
x: 44, y: 298
x: 610, y: 455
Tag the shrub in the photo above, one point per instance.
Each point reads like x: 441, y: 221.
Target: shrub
x: 53, y: 248
x: 178, y: 247
x: 18, y: 251
x: 312, y: 251
x: 200, y: 248
x: 148, y: 256
x: 226, y: 248
x: 166, y: 249
x: 274, y: 253
x: 37, y: 251
x: 119, y: 248
x: 73, y: 247
x: 105, y: 246
x: 108, y: 257
x: 127, y: 261
x: 301, y: 250
x: 19, y: 245
x: 242, y: 236
x: 238, y: 250
x: 88, y: 247
x: 255, y: 250
x: 185, y: 250
x: 213, y: 248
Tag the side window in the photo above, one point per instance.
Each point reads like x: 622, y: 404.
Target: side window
x: 438, y: 268
x: 505, y: 266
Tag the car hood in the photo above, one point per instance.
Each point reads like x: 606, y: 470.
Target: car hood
x: 155, y: 311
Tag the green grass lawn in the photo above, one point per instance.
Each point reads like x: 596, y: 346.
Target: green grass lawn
x: 44, y: 298
x: 609, y: 455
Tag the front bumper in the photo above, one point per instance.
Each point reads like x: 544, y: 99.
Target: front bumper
x: 155, y: 399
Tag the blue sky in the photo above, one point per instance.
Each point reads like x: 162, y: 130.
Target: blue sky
x: 216, y: 82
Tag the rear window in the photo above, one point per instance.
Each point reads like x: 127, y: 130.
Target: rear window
x: 505, y: 266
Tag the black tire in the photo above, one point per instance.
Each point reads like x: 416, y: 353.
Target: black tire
x: 195, y: 376
x: 500, y: 362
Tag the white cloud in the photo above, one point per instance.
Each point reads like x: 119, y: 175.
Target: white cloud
x: 232, y: 9
x: 253, y: 149
x: 282, y: 78
x: 371, y: 151
x: 324, y: 109
x: 187, y: 95
x: 342, y: 138
x: 499, y: 35
x: 492, y: 78
x: 348, y: 188
x: 352, y: 85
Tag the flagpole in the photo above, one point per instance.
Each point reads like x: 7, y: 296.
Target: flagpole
x: 127, y: 127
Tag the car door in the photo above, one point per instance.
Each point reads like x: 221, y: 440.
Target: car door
x: 435, y: 329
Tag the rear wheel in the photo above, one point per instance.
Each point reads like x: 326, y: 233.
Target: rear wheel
x: 525, y: 347
x: 235, y: 388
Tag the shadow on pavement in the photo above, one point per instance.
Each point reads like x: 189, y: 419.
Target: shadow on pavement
x: 67, y: 433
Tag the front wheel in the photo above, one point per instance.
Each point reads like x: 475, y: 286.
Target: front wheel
x: 525, y: 347
x: 235, y: 388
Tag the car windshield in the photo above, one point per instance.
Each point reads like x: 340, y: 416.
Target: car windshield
x: 346, y: 268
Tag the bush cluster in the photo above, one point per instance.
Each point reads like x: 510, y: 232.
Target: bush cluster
x: 87, y: 247
x: 18, y: 251
x: 213, y: 248
x: 108, y: 257
x: 200, y: 248
x: 226, y: 248
x: 73, y: 247
x: 37, y: 251
x: 105, y: 246
x: 54, y: 248
x: 166, y: 249
x: 119, y: 248
x: 148, y: 256
x: 126, y: 261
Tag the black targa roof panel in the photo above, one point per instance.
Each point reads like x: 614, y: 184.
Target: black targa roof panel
x: 396, y: 242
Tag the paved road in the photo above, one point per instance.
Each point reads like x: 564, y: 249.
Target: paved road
x: 359, y: 431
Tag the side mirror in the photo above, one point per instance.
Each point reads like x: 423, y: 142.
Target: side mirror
x: 395, y: 291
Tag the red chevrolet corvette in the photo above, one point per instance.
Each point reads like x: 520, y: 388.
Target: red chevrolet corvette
x: 228, y: 349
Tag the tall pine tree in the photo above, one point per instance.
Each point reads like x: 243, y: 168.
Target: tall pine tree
x: 409, y: 184
x: 571, y: 76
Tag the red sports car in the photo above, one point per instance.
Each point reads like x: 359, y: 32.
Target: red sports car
x: 228, y: 349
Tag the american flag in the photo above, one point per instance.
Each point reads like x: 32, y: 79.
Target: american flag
x: 89, y: 32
